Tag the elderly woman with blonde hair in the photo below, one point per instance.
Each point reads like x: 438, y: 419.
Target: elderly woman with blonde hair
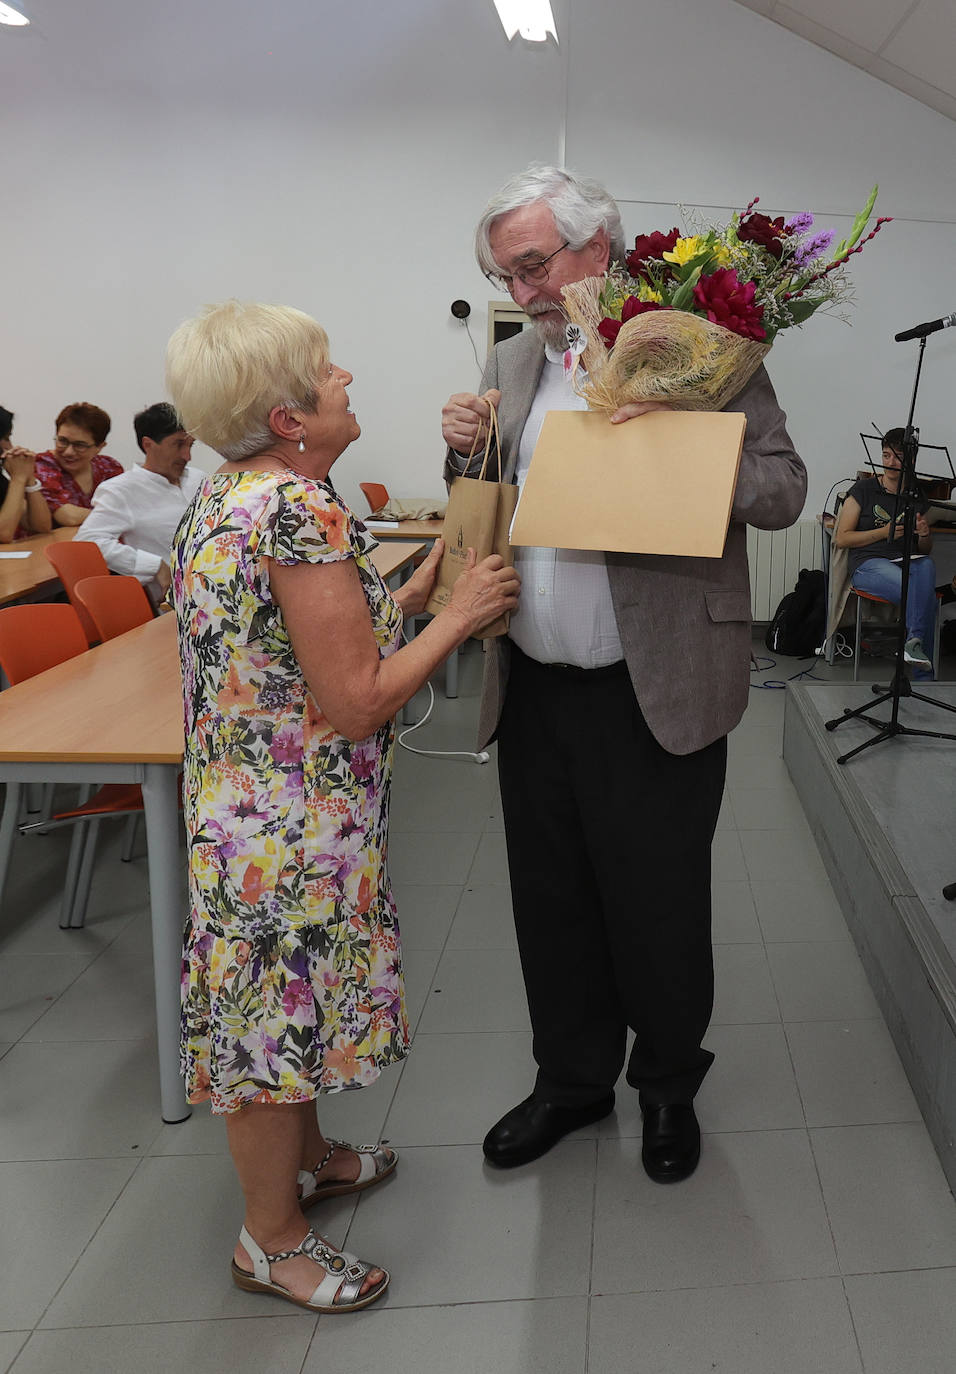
x: 293, y: 672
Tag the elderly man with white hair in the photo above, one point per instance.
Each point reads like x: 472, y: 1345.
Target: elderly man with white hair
x: 610, y: 699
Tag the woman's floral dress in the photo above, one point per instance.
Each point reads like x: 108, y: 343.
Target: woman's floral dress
x: 292, y: 975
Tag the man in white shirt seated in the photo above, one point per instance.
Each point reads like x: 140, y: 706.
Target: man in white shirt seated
x: 134, y: 516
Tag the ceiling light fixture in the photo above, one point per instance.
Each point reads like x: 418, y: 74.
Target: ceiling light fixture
x: 8, y: 15
x: 531, y: 18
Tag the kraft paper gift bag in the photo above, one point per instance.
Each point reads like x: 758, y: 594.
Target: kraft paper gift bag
x: 663, y: 483
x: 478, y: 517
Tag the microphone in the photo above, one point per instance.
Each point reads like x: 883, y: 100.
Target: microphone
x: 920, y: 331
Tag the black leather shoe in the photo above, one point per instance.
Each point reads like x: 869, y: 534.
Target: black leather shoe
x: 530, y: 1129
x: 671, y: 1146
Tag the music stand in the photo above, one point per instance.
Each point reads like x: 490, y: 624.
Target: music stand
x: 908, y: 496
x: 944, y: 503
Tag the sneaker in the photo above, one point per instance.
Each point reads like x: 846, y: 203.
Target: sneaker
x: 915, y: 655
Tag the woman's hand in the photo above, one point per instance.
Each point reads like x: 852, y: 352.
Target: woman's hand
x: 20, y: 462
x: 483, y: 592
x: 922, y: 526
x: 413, y: 594
x: 635, y: 408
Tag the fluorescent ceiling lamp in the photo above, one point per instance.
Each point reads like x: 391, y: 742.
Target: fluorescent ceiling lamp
x: 531, y: 18
x: 8, y: 15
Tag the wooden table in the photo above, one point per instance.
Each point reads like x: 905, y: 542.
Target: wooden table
x: 405, y: 529
x: 115, y: 714
x: 419, y: 529
x: 22, y: 578
x: 396, y: 558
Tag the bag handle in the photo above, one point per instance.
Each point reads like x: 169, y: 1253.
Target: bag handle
x: 492, y: 439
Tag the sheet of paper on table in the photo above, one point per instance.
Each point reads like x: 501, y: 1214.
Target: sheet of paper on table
x: 663, y: 483
x: 17, y: 554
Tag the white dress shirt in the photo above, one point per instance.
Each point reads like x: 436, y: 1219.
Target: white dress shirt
x: 565, y: 614
x: 134, y: 518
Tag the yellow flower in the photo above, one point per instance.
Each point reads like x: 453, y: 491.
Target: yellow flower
x: 647, y: 293
x: 615, y: 304
x: 684, y: 250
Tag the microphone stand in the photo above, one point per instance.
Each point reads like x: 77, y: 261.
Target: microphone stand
x: 908, y: 494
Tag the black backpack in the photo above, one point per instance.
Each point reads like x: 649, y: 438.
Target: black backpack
x: 799, y: 624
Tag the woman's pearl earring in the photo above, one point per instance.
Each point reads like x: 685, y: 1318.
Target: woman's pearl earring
x: 302, y: 443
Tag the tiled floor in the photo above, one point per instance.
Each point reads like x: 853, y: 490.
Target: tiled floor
x: 817, y: 1237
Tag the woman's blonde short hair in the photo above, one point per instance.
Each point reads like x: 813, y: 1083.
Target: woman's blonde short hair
x: 231, y: 365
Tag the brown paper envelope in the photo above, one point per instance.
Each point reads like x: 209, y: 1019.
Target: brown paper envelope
x: 663, y: 483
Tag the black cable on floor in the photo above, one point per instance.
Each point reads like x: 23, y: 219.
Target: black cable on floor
x: 779, y: 684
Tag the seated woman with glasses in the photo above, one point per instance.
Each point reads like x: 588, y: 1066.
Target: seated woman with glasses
x: 865, y: 528
x: 23, y: 510
x: 71, y: 472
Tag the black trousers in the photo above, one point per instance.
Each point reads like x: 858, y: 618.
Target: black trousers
x: 609, y: 854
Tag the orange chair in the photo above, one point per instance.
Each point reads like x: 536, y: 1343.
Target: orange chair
x: 375, y: 494
x: 882, y: 601
x: 32, y: 639
x: 115, y: 604
x: 72, y: 561
x: 36, y: 637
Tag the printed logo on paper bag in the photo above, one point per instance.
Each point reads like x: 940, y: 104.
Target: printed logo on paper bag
x: 458, y: 553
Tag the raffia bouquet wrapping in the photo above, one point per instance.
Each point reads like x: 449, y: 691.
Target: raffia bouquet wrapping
x: 689, y: 318
x: 671, y: 356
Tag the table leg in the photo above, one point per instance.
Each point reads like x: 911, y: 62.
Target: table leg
x: 451, y: 674
x: 8, y: 829
x: 160, y: 794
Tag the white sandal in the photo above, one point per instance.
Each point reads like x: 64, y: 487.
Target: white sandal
x: 340, y: 1289
x: 376, y: 1162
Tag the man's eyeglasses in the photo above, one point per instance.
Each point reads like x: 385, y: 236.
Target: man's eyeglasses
x: 77, y: 446
x: 532, y: 273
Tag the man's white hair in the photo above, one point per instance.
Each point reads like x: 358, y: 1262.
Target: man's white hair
x: 580, y: 209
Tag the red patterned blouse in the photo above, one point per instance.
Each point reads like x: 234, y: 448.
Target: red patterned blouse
x: 60, y: 489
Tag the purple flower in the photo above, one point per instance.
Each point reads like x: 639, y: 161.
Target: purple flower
x: 247, y: 809
x: 338, y: 867
x: 813, y: 247
x: 800, y: 223
x: 349, y: 827
x: 297, y: 994
x: 285, y: 747
x: 364, y: 757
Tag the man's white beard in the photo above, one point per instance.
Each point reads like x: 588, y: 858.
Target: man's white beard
x: 552, y: 333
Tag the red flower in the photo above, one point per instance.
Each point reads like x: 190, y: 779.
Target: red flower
x: 609, y: 329
x: 729, y: 302
x: 650, y: 246
x: 765, y: 232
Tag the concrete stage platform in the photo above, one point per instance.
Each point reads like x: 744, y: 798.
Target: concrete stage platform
x: 885, y: 824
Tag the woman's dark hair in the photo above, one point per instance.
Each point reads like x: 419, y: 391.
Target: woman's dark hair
x: 6, y: 423
x: 893, y: 438
x: 89, y: 417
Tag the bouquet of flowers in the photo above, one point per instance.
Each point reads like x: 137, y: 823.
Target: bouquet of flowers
x: 689, y: 318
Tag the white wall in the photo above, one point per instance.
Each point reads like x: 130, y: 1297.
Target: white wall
x: 336, y: 157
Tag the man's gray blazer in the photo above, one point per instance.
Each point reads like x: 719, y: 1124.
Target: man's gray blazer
x: 684, y: 622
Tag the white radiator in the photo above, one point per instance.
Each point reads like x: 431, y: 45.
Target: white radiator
x: 776, y: 557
